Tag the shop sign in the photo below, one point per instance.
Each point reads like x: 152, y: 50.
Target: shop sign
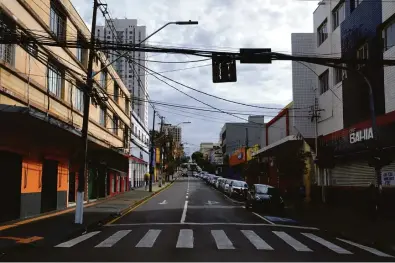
x: 361, y: 135
x: 388, y: 178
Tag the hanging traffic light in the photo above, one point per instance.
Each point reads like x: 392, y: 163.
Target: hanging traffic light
x: 224, y: 69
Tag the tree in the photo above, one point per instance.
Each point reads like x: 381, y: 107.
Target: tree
x: 197, y: 156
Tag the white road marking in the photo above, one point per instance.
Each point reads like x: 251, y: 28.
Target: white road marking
x: 258, y: 242
x: 263, y: 218
x: 292, y: 241
x: 222, y: 240
x: 184, y: 212
x: 369, y: 249
x: 109, y: 242
x: 79, y: 239
x: 185, y: 238
x: 164, y: 202
x: 327, y: 244
x: 149, y: 239
x: 234, y: 201
x: 215, y: 224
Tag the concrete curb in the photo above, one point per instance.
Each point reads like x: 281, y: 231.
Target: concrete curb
x: 107, y: 219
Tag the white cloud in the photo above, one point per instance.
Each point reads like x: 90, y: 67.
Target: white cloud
x: 223, y: 25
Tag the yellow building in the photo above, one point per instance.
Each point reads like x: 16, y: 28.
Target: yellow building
x: 41, y: 111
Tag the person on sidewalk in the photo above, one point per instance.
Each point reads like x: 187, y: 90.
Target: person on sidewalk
x: 146, y: 180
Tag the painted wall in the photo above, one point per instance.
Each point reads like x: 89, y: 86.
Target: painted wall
x: 330, y: 102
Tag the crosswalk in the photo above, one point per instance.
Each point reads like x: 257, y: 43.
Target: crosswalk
x: 186, y: 239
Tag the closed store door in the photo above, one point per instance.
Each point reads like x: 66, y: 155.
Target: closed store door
x: 357, y: 174
x: 10, y: 186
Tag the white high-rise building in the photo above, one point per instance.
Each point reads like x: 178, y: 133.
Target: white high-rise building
x: 133, y: 76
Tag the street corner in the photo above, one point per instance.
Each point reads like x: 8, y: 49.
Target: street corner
x: 7, y: 242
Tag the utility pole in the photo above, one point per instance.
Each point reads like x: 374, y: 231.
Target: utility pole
x: 161, y: 149
x: 245, y: 151
x: 152, y: 157
x: 317, y: 168
x: 82, y: 175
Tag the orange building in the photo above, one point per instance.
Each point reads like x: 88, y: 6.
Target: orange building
x: 41, y: 111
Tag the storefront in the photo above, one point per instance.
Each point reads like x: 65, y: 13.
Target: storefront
x: 345, y: 177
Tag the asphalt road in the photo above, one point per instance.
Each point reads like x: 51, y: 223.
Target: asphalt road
x: 190, y: 221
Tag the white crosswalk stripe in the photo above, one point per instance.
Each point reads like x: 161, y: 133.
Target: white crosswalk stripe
x: 79, y: 239
x: 149, y: 239
x: 292, y: 241
x: 327, y: 244
x: 222, y: 240
x: 185, y: 239
x: 369, y: 249
x: 109, y: 242
x: 258, y: 242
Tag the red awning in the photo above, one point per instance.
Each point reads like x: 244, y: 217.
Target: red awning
x: 137, y: 160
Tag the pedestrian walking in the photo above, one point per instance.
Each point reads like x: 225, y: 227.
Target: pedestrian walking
x: 146, y: 180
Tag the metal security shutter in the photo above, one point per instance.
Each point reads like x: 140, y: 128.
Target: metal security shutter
x: 357, y: 173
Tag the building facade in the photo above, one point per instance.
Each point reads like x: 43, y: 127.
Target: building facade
x: 139, y: 153
x: 233, y: 135
x: 133, y: 75
x: 207, y: 147
x: 353, y: 29
x: 175, y: 132
x: 41, y: 101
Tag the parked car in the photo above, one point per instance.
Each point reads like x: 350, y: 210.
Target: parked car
x: 237, y: 188
x: 264, y: 197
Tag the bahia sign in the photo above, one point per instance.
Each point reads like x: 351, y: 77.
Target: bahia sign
x: 361, y: 135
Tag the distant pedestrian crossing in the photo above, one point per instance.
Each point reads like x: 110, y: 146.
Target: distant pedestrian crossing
x: 186, y: 239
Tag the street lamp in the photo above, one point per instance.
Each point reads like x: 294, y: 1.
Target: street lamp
x: 145, y: 39
x: 184, y: 122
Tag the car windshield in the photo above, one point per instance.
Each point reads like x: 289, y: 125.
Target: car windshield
x: 238, y: 183
x: 261, y: 189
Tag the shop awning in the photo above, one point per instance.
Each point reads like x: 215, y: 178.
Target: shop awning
x: 289, y: 138
x: 137, y: 160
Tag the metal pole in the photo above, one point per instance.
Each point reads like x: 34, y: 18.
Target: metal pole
x: 161, y: 151
x: 152, y: 159
x: 377, y: 148
x: 245, y: 152
x: 79, y: 211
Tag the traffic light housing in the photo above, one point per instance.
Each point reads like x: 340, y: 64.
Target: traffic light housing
x: 224, y: 69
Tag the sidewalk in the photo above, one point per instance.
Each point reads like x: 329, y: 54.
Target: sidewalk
x: 61, y: 227
x: 346, y: 223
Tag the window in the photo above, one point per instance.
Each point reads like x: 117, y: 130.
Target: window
x: 324, y: 82
x: 322, y: 32
x: 103, y: 79
x: 115, y: 124
x: 357, y: 3
x: 55, y: 80
x: 338, y: 15
x: 127, y: 106
x: 126, y: 137
x: 116, y: 92
x: 102, y: 119
x: 81, y: 52
x: 7, y: 53
x: 389, y: 35
x: 339, y: 75
x: 57, y: 21
x: 362, y: 53
x: 78, y: 101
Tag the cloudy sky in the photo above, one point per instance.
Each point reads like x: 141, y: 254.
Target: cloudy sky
x: 223, y: 25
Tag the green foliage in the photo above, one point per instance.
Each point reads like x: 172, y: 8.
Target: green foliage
x: 290, y: 164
